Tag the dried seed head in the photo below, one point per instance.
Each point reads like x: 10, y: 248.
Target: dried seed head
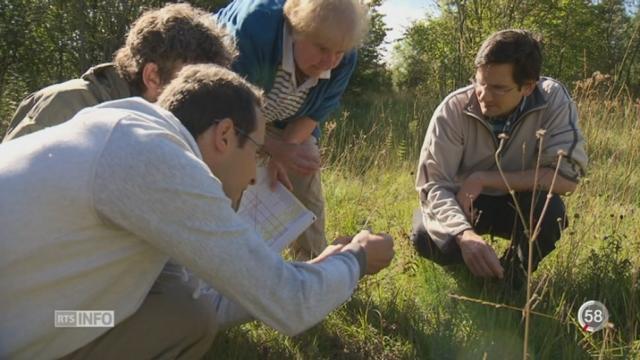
x: 330, y: 125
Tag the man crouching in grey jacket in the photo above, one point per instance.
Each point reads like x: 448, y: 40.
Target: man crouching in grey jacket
x: 512, y: 111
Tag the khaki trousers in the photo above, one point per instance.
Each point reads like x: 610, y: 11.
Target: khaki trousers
x: 307, y: 189
x: 169, y: 324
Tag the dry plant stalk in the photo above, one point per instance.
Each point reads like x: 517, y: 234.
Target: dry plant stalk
x: 532, y: 239
x: 501, y: 306
x: 532, y: 236
x: 634, y: 291
x: 503, y: 137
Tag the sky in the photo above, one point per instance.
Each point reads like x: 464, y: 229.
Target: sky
x: 399, y: 14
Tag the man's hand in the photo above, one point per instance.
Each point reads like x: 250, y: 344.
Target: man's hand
x: 378, y: 247
x: 479, y: 256
x: 303, y: 158
x: 469, y: 192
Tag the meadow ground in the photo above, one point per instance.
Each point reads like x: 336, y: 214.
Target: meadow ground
x: 415, y: 309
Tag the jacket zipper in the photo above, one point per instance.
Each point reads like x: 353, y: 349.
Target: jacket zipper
x: 518, y: 123
x: 490, y: 130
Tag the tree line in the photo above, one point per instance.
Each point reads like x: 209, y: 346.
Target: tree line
x: 48, y: 41
x: 579, y: 37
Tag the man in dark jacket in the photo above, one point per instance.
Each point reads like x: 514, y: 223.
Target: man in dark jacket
x: 159, y: 43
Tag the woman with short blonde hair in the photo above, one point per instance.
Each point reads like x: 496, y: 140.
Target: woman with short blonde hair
x: 302, y: 54
x: 339, y: 24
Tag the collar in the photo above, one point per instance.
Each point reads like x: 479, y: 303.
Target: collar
x: 106, y: 76
x: 288, y: 62
x: 514, y: 115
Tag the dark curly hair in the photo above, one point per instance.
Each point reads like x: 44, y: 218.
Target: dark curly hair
x: 174, y: 35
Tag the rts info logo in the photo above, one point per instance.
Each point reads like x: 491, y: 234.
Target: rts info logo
x: 78, y: 318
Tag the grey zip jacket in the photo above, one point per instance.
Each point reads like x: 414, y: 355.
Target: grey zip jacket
x: 459, y: 141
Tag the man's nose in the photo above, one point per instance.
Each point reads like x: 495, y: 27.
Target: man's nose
x: 482, y: 93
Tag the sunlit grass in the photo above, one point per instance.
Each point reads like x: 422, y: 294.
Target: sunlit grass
x: 406, y: 312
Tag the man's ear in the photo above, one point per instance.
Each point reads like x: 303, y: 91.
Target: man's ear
x: 222, y: 134
x: 528, y: 87
x: 151, y: 81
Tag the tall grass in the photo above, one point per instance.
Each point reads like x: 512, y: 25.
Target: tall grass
x: 376, y: 132
x: 416, y: 309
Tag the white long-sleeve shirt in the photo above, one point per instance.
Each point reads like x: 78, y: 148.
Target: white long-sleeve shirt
x: 90, y: 211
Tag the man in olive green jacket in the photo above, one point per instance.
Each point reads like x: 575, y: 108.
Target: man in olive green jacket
x: 159, y: 43
x: 510, y: 110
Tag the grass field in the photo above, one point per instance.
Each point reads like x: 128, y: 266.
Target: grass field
x: 414, y: 309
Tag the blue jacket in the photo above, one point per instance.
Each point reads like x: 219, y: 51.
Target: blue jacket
x: 257, y: 26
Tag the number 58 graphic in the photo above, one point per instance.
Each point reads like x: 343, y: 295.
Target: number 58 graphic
x: 593, y: 316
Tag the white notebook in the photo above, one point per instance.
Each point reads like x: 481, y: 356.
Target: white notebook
x: 275, y: 214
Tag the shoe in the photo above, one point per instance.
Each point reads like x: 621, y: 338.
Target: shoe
x: 419, y: 243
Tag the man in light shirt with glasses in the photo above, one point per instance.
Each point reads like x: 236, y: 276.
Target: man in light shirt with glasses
x: 92, y: 209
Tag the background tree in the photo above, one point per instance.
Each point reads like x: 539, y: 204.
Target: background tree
x: 579, y: 38
x: 48, y: 41
x: 371, y: 74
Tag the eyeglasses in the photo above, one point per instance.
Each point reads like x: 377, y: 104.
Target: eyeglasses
x: 262, y: 154
x: 259, y: 146
x: 492, y: 89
